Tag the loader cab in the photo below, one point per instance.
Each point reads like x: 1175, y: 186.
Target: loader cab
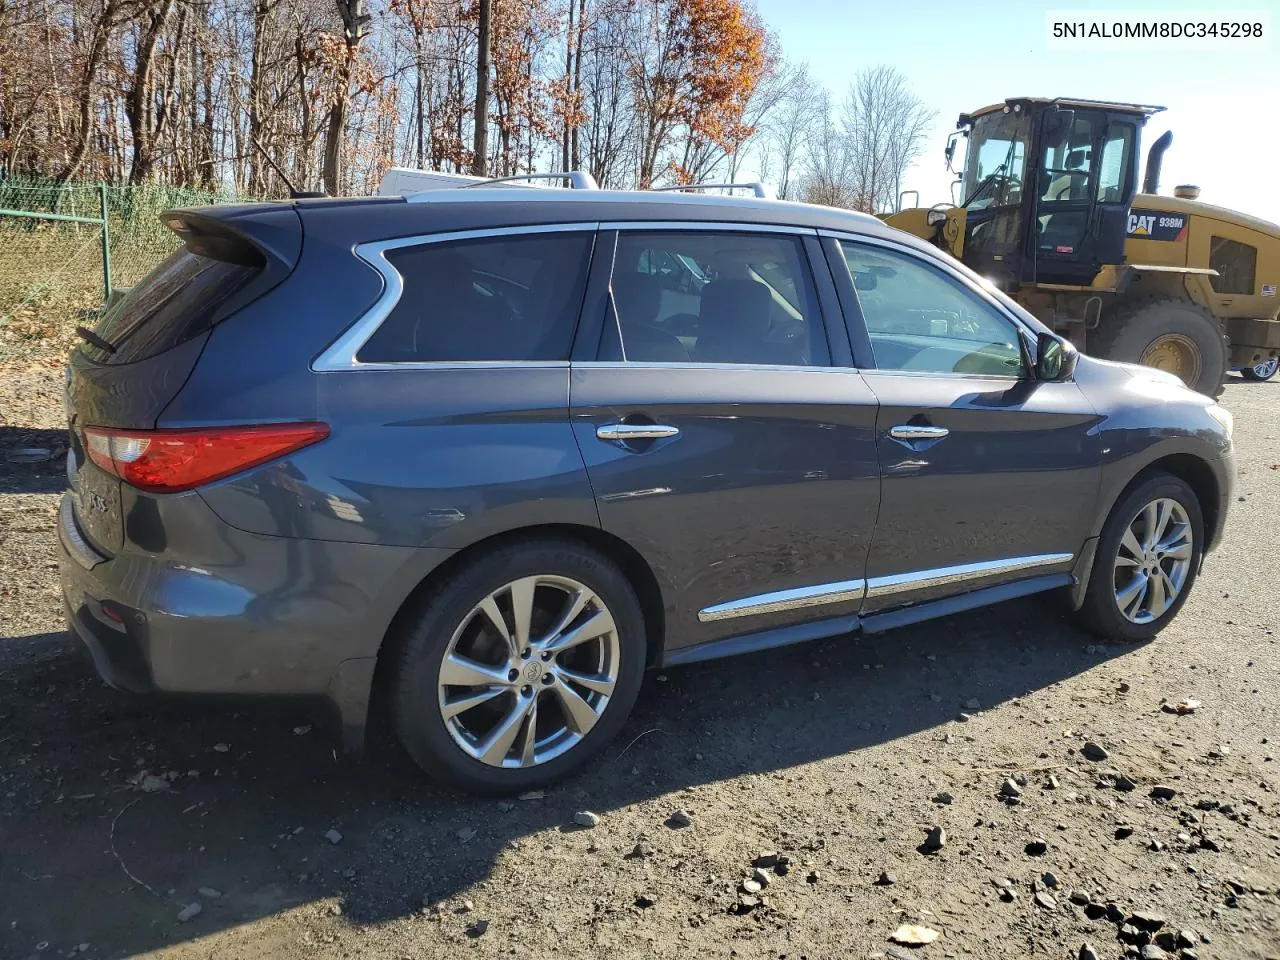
x: 1046, y: 188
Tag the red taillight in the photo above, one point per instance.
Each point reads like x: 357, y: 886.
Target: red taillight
x: 166, y: 461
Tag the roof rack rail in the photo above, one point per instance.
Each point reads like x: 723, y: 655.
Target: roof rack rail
x: 757, y: 188
x: 578, y: 179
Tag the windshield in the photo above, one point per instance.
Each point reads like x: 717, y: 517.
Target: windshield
x: 996, y: 163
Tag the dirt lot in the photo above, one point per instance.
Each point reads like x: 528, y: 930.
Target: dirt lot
x: 117, y: 814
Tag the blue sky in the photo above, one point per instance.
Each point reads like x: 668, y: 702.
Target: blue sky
x: 1223, y: 107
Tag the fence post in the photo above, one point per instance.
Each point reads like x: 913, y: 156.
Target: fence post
x: 106, y: 243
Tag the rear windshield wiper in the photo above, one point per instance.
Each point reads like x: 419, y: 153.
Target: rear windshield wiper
x: 89, y: 336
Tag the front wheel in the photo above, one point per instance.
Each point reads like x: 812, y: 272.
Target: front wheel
x: 519, y: 667
x: 1147, y: 560
x: 1261, y: 371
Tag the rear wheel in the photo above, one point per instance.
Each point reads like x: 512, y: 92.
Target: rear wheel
x: 520, y: 667
x: 1147, y: 560
x: 1261, y: 371
x: 1178, y: 336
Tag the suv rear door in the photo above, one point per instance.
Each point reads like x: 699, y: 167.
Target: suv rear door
x: 726, y: 437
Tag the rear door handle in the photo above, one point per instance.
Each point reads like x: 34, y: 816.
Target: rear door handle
x: 907, y: 432
x: 622, y: 432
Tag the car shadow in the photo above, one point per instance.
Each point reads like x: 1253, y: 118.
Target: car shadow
x: 32, y: 460
x: 116, y: 810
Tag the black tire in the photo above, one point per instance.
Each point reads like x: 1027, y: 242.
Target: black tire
x: 1100, y: 613
x: 425, y: 636
x: 1133, y: 326
x: 1260, y: 371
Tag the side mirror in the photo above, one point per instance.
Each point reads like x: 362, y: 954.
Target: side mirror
x: 1055, y: 358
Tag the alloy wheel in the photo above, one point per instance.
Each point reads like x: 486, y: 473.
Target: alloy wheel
x: 1266, y: 369
x: 528, y: 671
x: 1153, y: 560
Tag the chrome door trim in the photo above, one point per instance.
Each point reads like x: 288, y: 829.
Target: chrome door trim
x: 721, y: 226
x: 341, y: 354
x: 781, y: 601
x: 960, y: 573
x: 703, y: 365
x: 635, y: 431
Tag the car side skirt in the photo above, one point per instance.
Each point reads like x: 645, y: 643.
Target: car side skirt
x: 875, y: 623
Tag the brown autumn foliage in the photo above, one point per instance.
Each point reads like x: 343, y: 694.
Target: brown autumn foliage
x: 201, y: 92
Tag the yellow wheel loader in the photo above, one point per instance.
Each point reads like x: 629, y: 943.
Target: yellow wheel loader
x: 1049, y: 210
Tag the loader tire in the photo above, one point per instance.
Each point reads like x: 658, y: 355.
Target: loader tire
x: 1167, y: 333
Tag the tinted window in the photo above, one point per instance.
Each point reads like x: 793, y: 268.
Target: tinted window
x: 1114, y: 170
x: 493, y: 298
x: 920, y: 319
x: 1236, y: 264
x: 1066, y: 171
x: 173, y: 303
x: 703, y: 297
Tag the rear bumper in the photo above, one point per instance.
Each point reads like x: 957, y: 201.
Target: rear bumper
x: 252, y: 615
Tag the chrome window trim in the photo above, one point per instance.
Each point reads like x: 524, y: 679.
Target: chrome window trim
x: 798, y: 598
x: 780, y: 601
x: 1028, y: 334
x: 702, y: 226
x: 944, y: 576
x: 703, y: 365
x: 341, y: 354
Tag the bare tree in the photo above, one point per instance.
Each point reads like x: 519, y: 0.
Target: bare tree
x: 355, y: 25
x: 791, y: 124
x: 885, y: 124
x: 829, y: 176
x: 226, y: 94
x: 480, y: 148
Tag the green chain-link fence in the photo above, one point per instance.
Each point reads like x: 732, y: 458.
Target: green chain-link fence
x: 63, y: 247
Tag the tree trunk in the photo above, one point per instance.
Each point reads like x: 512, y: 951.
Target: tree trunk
x: 97, y: 47
x: 355, y: 24
x: 256, y: 178
x: 419, y: 97
x: 568, y: 106
x: 480, y: 146
x: 575, y: 157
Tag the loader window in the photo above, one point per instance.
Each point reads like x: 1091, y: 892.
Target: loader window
x: 997, y: 160
x: 1114, y: 169
x: 1236, y: 263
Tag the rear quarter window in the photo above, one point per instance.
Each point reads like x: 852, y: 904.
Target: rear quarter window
x: 175, y: 302
x: 498, y: 298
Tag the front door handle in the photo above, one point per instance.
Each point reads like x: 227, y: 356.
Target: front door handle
x: 622, y: 432
x: 908, y: 432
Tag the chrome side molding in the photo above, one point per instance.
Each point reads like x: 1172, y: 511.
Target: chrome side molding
x: 945, y: 576
x: 781, y: 601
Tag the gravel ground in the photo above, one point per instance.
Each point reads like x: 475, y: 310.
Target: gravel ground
x: 138, y: 827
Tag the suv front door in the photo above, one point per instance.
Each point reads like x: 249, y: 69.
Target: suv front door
x: 724, y: 432
x: 988, y: 475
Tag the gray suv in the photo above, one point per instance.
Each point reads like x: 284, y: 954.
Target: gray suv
x: 482, y: 456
